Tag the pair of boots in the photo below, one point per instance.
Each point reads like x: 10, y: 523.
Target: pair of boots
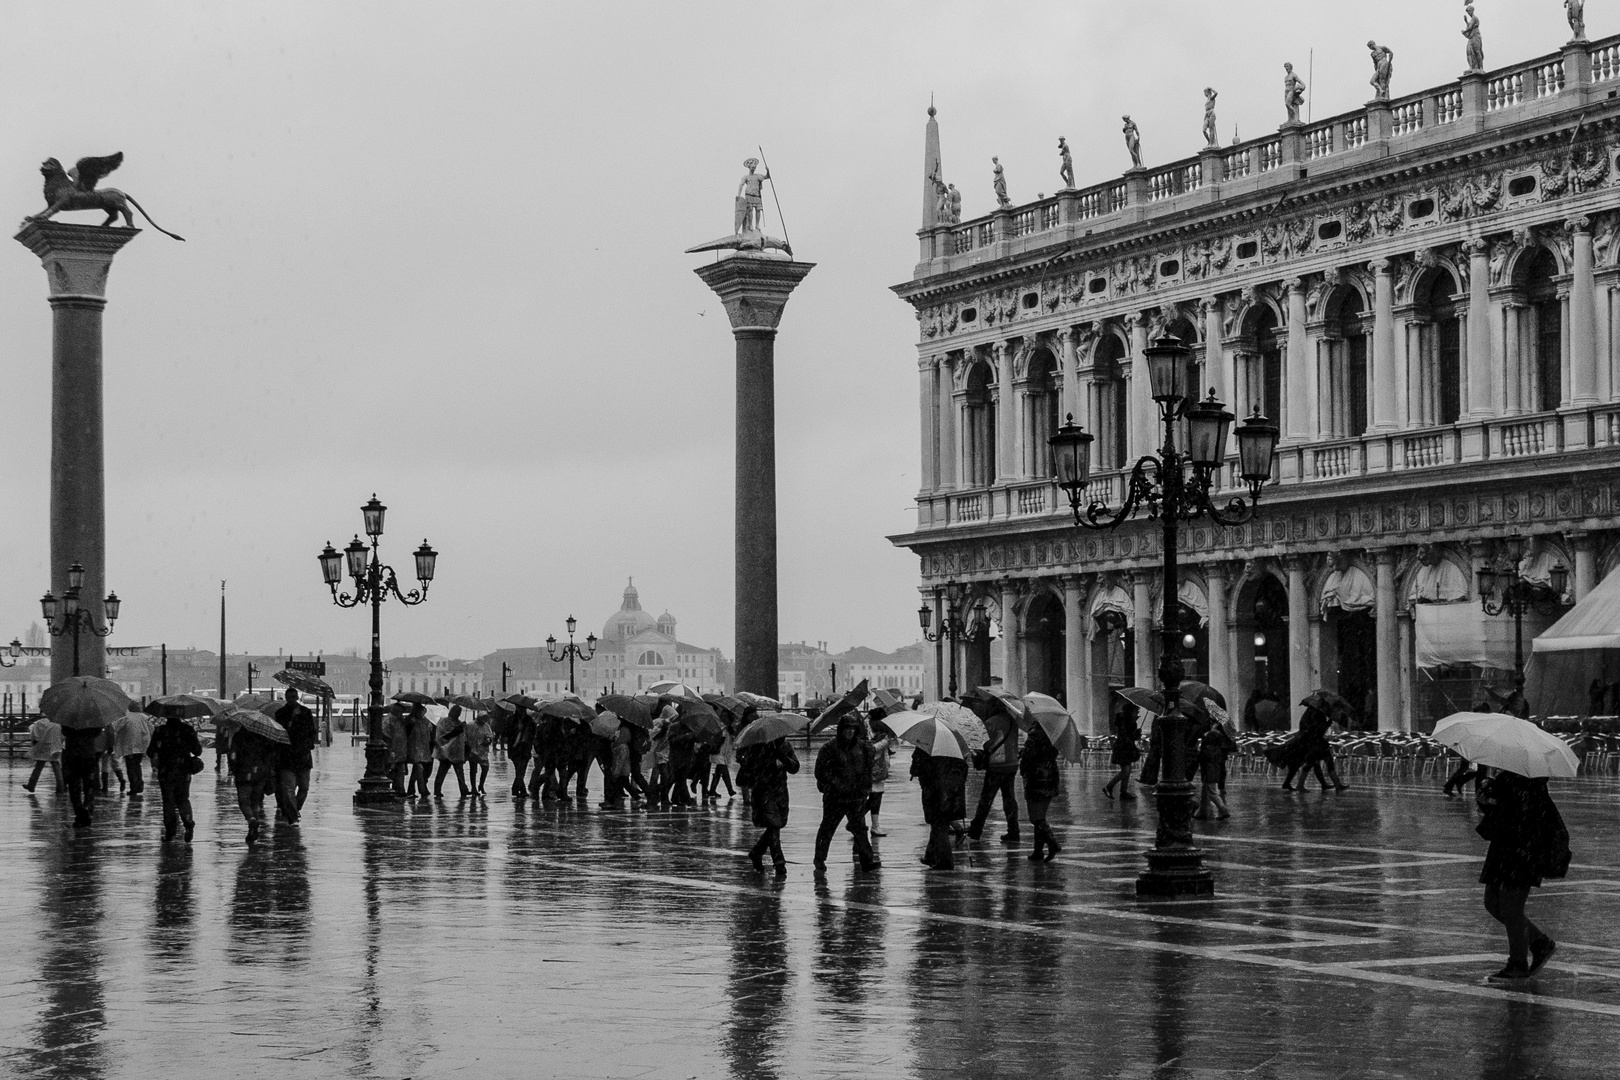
x: 770, y: 841
x: 863, y: 852
x: 1044, y: 838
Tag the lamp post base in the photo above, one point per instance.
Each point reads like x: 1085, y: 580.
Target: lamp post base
x: 376, y: 787
x: 1175, y: 871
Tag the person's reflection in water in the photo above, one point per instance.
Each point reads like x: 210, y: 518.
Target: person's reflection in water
x: 269, y: 916
x: 849, y: 944
x: 172, y: 929
x: 757, y: 986
x: 72, y: 1014
x: 941, y: 983
x: 1526, y: 1044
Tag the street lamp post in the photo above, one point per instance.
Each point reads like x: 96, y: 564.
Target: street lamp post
x: 571, y: 651
x: 506, y: 669
x: 1509, y: 591
x: 252, y: 670
x: 953, y: 627
x: 1174, y: 485
x: 373, y: 582
x: 76, y: 619
x: 13, y: 651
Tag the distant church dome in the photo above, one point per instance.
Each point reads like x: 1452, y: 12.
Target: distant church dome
x: 629, y: 620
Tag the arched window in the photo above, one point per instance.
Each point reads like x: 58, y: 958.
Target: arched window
x: 979, y: 427
x: 1112, y: 422
x: 1040, y: 404
x: 1545, y: 340
x: 1344, y: 383
x: 1440, y: 350
x: 651, y: 659
x: 1260, y: 370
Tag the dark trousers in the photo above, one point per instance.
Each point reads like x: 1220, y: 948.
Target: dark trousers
x: 83, y: 780
x: 769, y: 841
x: 292, y: 788
x: 1465, y: 772
x: 132, y: 766
x: 520, y: 768
x: 39, y: 767
x: 176, y: 793
x: 1506, y: 905
x: 721, y: 773
x: 1002, y: 778
x: 444, y: 770
x: 835, y: 811
x: 939, y: 854
x: 418, y: 783
x: 250, y: 800
x: 477, y: 773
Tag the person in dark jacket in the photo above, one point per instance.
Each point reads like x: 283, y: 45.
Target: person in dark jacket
x: 173, y: 748
x: 519, y: 748
x: 844, y: 778
x: 296, y: 758
x: 683, y: 754
x: 763, y: 770
x: 1000, y: 767
x: 1309, y: 749
x: 1038, y: 765
x: 944, y: 799
x: 81, y: 762
x: 1213, y: 748
x: 1528, y: 842
x: 1127, y: 734
x: 253, y: 768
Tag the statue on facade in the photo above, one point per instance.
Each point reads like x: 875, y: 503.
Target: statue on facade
x: 1476, y: 43
x: 1211, y: 137
x: 1000, y: 184
x: 76, y: 189
x: 956, y: 204
x: 1133, y: 142
x: 1576, y: 10
x: 1066, y: 168
x: 1383, y: 60
x: 942, y: 198
x: 748, y: 211
x: 1293, y: 93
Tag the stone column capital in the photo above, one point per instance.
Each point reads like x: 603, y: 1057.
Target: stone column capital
x: 1385, y: 556
x: 1294, y: 284
x: 76, y: 258
x: 1380, y: 267
x: 1476, y: 248
x: 1209, y: 304
x: 753, y: 288
x: 1578, y: 225
x: 1218, y: 571
x: 1064, y: 334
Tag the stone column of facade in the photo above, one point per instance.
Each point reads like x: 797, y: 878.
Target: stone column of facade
x: 1214, y: 353
x: 1075, y: 683
x: 1006, y: 410
x: 1387, y: 635
x: 77, y: 259
x: 1481, y: 379
x: 1585, y: 564
x: 1384, y: 363
x: 1012, y: 634
x: 1142, y: 627
x: 941, y: 644
x: 947, y: 476
x: 1582, y: 316
x: 929, y: 422
x: 1298, y: 427
x: 1144, y: 412
x: 1299, y: 653
x: 755, y: 289
x: 1220, y: 638
x: 1068, y: 357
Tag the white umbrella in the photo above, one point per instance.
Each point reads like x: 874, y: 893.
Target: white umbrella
x: 928, y: 733
x: 1055, y: 720
x: 963, y: 720
x: 674, y: 689
x: 1506, y: 742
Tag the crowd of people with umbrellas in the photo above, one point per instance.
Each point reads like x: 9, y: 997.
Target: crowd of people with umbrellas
x: 675, y: 747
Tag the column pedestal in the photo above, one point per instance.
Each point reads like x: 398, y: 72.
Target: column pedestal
x: 754, y: 287
x: 77, y: 259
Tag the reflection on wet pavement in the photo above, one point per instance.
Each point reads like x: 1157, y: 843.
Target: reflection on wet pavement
x: 481, y: 938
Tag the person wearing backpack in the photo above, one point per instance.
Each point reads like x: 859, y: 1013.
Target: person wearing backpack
x: 1528, y: 843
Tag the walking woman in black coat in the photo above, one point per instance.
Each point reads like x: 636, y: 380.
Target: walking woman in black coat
x: 944, y: 800
x: 1126, y: 734
x: 1528, y: 842
x: 1038, y: 765
x: 762, y: 770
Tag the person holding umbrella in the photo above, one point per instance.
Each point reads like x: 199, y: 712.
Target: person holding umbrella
x: 999, y: 759
x: 450, y: 748
x: 519, y: 748
x: 176, y: 755
x: 254, y: 757
x: 396, y: 733
x: 84, y: 706
x: 45, y: 748
x: 1038, y: 765
x: 477, y: 739
x: 1127, y: 734
x: 130, y: 738
x: 297, y: 758
x: 418, y: 750
x: 764, y: 760
x: 943, y: 780
x: 844, y: 778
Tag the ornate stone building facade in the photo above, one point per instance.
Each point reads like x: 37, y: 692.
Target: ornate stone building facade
x: 1425, y: 293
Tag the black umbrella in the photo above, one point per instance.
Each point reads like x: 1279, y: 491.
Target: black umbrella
x: 632, y: 710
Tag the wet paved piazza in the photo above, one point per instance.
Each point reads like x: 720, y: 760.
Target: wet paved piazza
x: 485, y: 940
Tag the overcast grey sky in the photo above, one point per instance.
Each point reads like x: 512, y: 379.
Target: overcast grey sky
x: 435, y: 251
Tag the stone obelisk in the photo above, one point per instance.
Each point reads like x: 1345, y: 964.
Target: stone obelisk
x: 77, y: 259
x: 754, y: 284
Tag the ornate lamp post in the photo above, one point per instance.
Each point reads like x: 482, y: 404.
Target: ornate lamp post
x: 953, y: 627
x: 373, y: 582
x: 1507, y: 590
x: 1174, y: 485
x: 13, y: 651
x: 76, y: 619
x: 571, y: 651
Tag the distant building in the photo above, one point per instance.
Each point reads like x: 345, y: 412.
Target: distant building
x: 432, y: 674
x: 803, y: 669
x: 896, y: 671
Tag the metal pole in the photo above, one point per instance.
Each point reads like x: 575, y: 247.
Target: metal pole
x: 1518, y: 638
x: 77, y: 622
x: 223, y: 693
x: 164, y: 653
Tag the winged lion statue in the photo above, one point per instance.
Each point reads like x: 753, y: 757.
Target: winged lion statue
x: 75, y: 189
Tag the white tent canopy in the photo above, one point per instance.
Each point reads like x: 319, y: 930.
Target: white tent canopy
x: 1577, y: 655
x: 1594, y: 623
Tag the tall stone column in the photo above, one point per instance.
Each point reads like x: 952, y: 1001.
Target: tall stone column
x: 1582, y: 316
x: 755, y: 289
x: 1299, y: 383
x: 1074, y: 651
x: 1585, y: 577
x: 1142, y: 628
x: 1481, y: 379
x: 1387, y: 635
x: 1220, y: 637
x: 946, y: 405
x: 1299, y: 639
x: 1006, y: 413
x: 1384, y: 361
x: 77, y: 259
x: 1143, y: 410
x: 1012, y: 639
x: 929, y: 422
x: 1214, y: 353
x: 1068, y: 357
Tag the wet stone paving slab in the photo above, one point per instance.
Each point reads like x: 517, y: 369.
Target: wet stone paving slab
x: 484, y: 938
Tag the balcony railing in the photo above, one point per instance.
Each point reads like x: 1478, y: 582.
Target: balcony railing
x: 1448, y: 106
x: 1270, y: 155
x: 1319, y: 142
x: 1605, y: 63
x: 1406, y: 118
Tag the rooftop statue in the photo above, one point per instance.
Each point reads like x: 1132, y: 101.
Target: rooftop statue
x: 75, y: 189
x: 1066, y: 169
x: 1476, y: 43
x: 956, y: 204
x: 1211, y: 137
x: 748, y: 209
x: 1576, y: 10
x: 1000, y: 184
x: 942, y: 199
x: 1133, y: 142
x: 1293, y: 93
x: 1383, y: 59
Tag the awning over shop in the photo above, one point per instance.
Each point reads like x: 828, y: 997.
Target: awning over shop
x: 1349, y: 589
x: 1192, y: 595
x: 1464, y: 634
x: 1594, y: 623
x: 1439, y: 582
